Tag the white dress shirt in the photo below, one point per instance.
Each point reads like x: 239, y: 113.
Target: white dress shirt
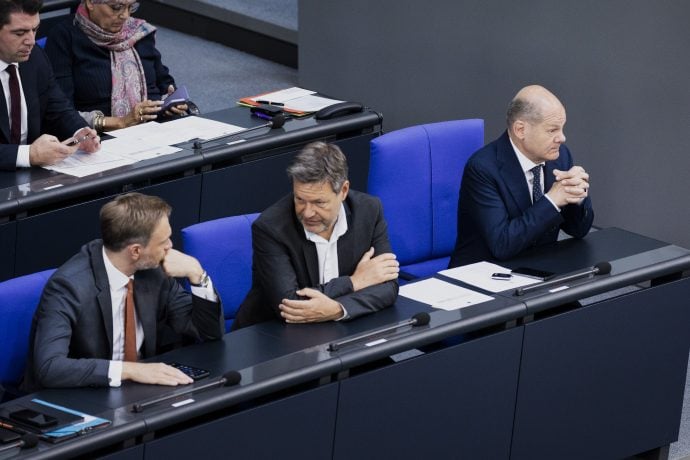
x: 526, y: 164
x: 327, y: 251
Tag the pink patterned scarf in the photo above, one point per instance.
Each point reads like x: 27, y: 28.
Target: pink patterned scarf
x: 129, y: 82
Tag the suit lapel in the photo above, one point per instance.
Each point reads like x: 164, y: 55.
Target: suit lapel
x: 145, y: 302
x: 103, y: 296
x: 346, y: 254
x: 30, y: 88
x: 512, y: 173
x: 4, y: 118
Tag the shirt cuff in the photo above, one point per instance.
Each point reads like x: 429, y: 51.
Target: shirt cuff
x: 23, y: 159
x: 345, y: 315
x: 207, y: 293
x: 554, y: 204
x: 115, y: 373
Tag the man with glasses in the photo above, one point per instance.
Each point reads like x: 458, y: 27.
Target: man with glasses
x: 34, y: 113
x: 107, y: 63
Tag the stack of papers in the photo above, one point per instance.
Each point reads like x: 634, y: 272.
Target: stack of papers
x: 297, y: 101
x: 142, y: 142
x: 479, y: 275
x: 441, y: 294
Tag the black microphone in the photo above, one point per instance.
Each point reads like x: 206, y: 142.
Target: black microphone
x: 228, y: 379
x: 602, y: 268
x: 277, y: 121
x: 27, y: 441
x: 420, y: 319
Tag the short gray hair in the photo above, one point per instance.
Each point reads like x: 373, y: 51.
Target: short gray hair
x: 320, y: 162
x: 520, y: 108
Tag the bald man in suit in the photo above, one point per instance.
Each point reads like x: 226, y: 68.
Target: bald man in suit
x: 520, y: 190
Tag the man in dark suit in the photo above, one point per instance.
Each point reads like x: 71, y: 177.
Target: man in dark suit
x: 521, y: 189
x: 322, y: 252
x: 39, y: 111
x: 106, y: 306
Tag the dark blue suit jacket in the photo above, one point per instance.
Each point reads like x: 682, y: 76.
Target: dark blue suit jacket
x: 72, y: 331
x: 82, y: 69
x: 496, y: 217
x: 284, y: 261
x: 48, y: 110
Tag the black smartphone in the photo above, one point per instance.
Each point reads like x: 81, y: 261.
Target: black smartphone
x: 532, y: 273
x: 194, y: 372
x: 501, y: 276
x: 33, y: 418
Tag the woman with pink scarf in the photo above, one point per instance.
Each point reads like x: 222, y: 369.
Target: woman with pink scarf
x: 106, y: 62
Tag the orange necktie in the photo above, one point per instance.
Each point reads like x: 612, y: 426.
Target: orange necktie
x: 130, y: 327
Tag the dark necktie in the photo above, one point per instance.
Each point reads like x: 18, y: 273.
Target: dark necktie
x: 537, y: 191
x: 15, y: 106
x: 130, y: 327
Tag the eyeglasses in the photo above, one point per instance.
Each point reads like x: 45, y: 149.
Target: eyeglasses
x: 119, y: 8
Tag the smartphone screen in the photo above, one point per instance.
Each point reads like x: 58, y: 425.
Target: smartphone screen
x: 33, y: 418
x: 501, y: 276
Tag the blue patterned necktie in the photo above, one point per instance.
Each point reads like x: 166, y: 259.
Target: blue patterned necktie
x: 537, y: 192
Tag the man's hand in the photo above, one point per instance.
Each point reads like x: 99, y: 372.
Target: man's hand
x: 47, y: 150
x: 154, y: 373
x: 371, y: 271
x: 179, y: 265
x: 570, y: 187
x: 317, y: 308
x: 91, y: 141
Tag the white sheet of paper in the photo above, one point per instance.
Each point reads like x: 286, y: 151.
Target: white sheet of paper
x: 82, y: 164
x: 176, y: 131
x: 283, y: 95
x: 479, y: 275
x: 135, y: 149
x: 441, y: 294
x: 310, y: 103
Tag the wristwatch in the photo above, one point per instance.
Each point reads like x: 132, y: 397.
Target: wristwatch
x: 203, y: 281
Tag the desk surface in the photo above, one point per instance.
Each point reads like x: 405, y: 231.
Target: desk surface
x: 36, y: 187
x: 272, y: 357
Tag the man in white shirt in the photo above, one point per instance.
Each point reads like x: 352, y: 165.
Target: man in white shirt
x: 322, y: 252
x: 33, y: 109
x: 520, y: 190
x: 104, y: 308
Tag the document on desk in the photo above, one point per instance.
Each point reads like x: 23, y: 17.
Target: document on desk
x: 441, y: 294
x: 82, y: 164
x: 479, y: 275
x: 176, y: 131
x: 292, y: 99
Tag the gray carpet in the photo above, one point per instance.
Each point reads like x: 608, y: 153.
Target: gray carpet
x: 279, y: 12
x: 217, y: 76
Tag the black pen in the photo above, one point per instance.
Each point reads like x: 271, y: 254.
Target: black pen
x: 270, y: 103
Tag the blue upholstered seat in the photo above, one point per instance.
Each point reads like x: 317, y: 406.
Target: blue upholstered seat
x: 18, y: 301
x: 224, y: 248
x: 416, y: 172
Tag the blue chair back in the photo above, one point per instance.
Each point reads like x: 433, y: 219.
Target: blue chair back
x: 224, y: 248
x: 18, y: 301
x: 416, y: 172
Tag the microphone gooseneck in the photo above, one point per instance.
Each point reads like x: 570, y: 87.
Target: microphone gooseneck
x: 601, y: 268
x: 419, y: 319
x: 228, y: 379
x: 275, y: 122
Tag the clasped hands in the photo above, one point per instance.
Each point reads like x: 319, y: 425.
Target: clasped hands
x: 570, y: 187
x: 318, y: 307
